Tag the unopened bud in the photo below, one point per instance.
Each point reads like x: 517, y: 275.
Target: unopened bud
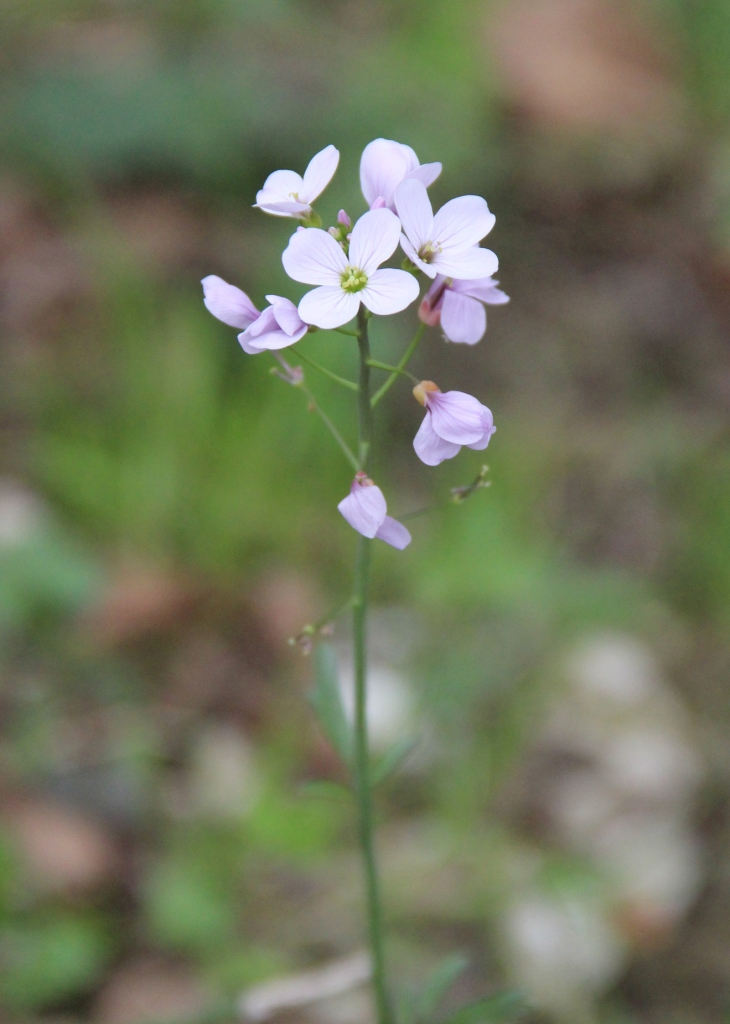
x: 343, y: 219
x: 335, y: 232
x: 421, y: 390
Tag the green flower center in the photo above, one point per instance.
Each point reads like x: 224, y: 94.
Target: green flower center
x: 353, y: 279
x: 429, y: 252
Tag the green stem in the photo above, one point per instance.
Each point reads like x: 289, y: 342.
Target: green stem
x: 315, y: 407
x: 344, y: 330
x: 349, y: 384
x: 377, y: 365
x: 362, y: 755
x: 382, y: 391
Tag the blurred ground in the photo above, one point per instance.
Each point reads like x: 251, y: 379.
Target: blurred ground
x: 167, y: 515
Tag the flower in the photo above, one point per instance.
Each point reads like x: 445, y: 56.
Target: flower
x: 384, y: 165
x: 314, y: 257
x: 452, y: 419
x: 457, y: 306
x: 277, y: 327
x: 365, y: 510
x: 287, y: 194
x: 445, y: 243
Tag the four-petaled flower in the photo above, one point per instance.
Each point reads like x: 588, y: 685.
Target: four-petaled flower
x: 314, y: 257
x: 446, y: 243
x: 277, y: 327
x: 458, y: 307
x: 384, y: 165
x: 366, y: 511
x: 288, y: 194
x: 452, y: 420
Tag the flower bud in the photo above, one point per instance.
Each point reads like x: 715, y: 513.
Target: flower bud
x: 421, y: 390
x: 343, y: 219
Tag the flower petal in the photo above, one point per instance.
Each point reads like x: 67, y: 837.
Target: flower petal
x: 383, y: 166
x: 389, y: 291
x: 266, y: 322
x: 374, y: 240
x: 328, y: 307
x: 484, y: 289
x: 455, y: 416
x: 462, y: 222
x: 228, y: 303
x: 488, y: 427
x: 319, y: 173
x: 394, y: 533
x: 286, y: 315
x: 415, y: 211
x: 283, y: 209
x: 468, y: 264
x: 314, y: 257
x: 463, y: 319
x: 426, y: 173
x: 364, y: 508
x: 271, y: 341
x: 430, y: 448
x: 279, y: 192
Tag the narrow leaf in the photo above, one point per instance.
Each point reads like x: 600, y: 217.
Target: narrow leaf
x: 438, y: 985
x: 326, y: 700
x: 391, y: 760
x: 506, y: 1006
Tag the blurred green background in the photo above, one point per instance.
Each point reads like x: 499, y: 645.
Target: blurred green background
x: 167, y: 514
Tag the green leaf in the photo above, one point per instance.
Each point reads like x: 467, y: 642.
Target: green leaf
x: 505, y: 1006
x: 326, y: 701
x: 391, y: 760
x: 438, y: 985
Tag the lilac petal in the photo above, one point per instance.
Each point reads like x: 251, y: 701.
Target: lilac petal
x: 426, y: 173
x: 389, y: 291
x: 415, y: 212
x: 228, y: 303
x: 287, y: 316
x: 319, y: 173
x: 430, y: 448
x: 314, y: 257
x: 364, y: 508
x: 283, y: 209
x: 281, y: 194
x: 271, y: 341
x: 328, y: 307
x: 467, y: 264
x: 462, y: 222
x: 488, y: 427
x: 463, y: 319
x: 455, y: 416
x: 483, y: 289
x: 394, y: 533
x: 374, y: 240
x: 266, y: 322
x: 415, y: 258
x: 283, y: 184
x: 383, y: 166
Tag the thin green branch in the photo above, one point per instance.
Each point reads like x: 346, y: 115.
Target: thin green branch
x: 315, y: 407
x: 344, y: 330
x: 376, y: 364
x: 385, y: 388
x: 349, y: 384
x: 458, y: 495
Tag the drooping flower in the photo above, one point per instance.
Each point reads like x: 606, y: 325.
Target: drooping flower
x: 384, y: 165
x: 452, y: 419
x: 366, y: 511
x: 446, y: 243
x: 278, y: 326
x: 314, y: 257
x: 288, y: 194
x: 458, y: 307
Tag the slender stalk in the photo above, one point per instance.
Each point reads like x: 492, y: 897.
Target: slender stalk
x: 349, y: 384
x: 377, y: 365
x: 315, y: 407
x: 382, y: 391
x: 362, y: 754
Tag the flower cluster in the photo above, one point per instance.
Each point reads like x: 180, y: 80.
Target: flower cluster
x: 344, y: 264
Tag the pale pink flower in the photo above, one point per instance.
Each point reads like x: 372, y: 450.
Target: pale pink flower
x: 366, y: 511
x: 384, y: 165
x: 314, y: 257
x: 458, y: 307
x: 447, y: 242
x: 288, y: 194
x: 452, y: 419
x: 277, y: 327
